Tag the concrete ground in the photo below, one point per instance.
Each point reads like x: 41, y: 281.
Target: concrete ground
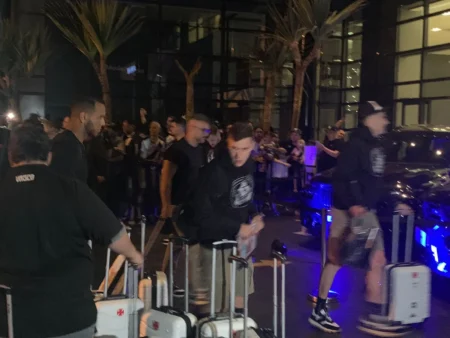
x: 302, y: 274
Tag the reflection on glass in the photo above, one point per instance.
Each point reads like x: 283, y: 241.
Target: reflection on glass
x: 351, y: 96
x: 410, y: 35
x: 354, y: 27
x: 350, y: 116
x: 332, y: 50
x: 353, y: 48
x: 406, y: 12
x: 439, y: 6
x: 436, y: 64
x: 330, y: 75
x: 352, y: 75
x: 436, y: 89
x: 329, y: 95
x: 337, y: 30
x: 242, y: 44
x: 438, y: 30
x: 412, y: 147
x: 408, y: 68
x: 407, y: 91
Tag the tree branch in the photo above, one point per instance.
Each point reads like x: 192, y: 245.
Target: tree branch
x: 185, y: 73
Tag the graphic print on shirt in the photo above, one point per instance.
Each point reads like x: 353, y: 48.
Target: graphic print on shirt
x: 241, y: 191
x: 377, y: 161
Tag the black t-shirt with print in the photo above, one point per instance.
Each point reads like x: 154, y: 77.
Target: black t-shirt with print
x: 69, y: 156
x: 188, y: 160
x: 47, y: 220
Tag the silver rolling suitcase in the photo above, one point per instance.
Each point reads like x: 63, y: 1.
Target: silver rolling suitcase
x: 225, y: 325
x: 167, y: 321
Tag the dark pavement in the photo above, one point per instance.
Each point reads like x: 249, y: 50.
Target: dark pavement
x: 302, y: 273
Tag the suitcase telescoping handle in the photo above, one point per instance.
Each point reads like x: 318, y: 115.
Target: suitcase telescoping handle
x: 133, y: 293
x: 9, y: 311
x: 396, y: 238
x: 216, y: 245
x: 278, y: 256
x: 233, y: 259
x: 185, y: 243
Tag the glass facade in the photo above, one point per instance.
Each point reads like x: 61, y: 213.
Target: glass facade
x: 422, y: 78
x: 339, y: 74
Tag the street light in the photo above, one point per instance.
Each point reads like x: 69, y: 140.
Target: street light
x: 10, y: 116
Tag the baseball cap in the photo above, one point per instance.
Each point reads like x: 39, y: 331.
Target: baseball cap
x: 369, y: 108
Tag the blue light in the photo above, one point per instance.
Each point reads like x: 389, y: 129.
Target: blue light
x: 435, y: 253
x: 436, y: 227
x: 441, y: 267
x: 131, y: 70
x: 329, y: 218
x: 423, y: 238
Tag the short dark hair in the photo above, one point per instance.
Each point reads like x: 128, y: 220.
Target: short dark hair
x: 86, y: 105
x: 214, y: 129
x: 201, y: 117
x: 240, y: 131
x: 29, y: 142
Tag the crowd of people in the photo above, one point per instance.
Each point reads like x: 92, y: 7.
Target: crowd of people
x: 204, y: 178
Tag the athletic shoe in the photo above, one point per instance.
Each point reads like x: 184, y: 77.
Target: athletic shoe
x: 321, y: 320
x: 380, y: 327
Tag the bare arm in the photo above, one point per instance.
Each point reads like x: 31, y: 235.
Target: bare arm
x: 168, y: 171
x: 332, y: 153
x: 123, y: 246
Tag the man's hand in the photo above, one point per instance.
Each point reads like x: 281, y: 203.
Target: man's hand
x: 142, y: 112
x: 357, y: 210
x: 136, y: 259
x: 246, y: 231
x: 167, y: 211
x: 258, y: 223
x: 319, y: 145
x: 404, y: 209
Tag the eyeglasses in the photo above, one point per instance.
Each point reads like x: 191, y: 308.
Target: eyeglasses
x: 204, y: 130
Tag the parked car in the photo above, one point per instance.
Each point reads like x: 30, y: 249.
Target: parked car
x: 417, y: 173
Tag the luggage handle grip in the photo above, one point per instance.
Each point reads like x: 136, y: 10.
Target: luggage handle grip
x: 237, y: 259
x: 224, y: 242
x: 279, y: 256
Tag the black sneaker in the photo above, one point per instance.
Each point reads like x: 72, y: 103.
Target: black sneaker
x: 321, y: 320
x: 379, y: 326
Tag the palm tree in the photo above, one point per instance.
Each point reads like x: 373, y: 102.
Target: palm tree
x: 271, y: 56
x: 304, y: 21
x: 189, y: 76
x: 22, y: 53
x: 96, y: 28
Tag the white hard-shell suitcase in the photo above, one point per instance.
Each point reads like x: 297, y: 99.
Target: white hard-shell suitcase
x: 118, y: 316
x: 222, y: 325
x: 407, y: 286
x: 166, y: 321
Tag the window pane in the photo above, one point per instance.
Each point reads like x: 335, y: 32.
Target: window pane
x: 407, y: 91
x: 332, y: 50
x: 410, y: 35
x: 438, y: 30
x: 350, y: 116
x: 351, y: 96
x: 408, y: 68
x: 398, y: 113
x: 242, y: 44
x: 354, y: 27
x: 248, y: 21
x: 329, y: 95
x: 352, y: 75
x: 411, y: 114
x: 330, y: 75
x: 337, y: 30
x: 328, y: 115
x: 436, y: 64
x: 438, y: 112
x: 436, y: 89
x: 31, y: 104
x: 439, y: 6
x: 406, y: 12
x: 353, y: 48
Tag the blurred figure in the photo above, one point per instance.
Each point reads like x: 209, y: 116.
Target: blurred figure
x: 211, y: 145
x: 87, y: 118
x: 131, y: 170
x: 4, y: 141
x: 177, y: 129
x: 330, y: 150
x: 66, y: 123
x: 47, y: 220
x: 50, y: 128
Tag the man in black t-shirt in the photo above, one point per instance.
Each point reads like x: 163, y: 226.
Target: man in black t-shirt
x: 47, y: 220
x: 329, y: 150
x: 87, y: 117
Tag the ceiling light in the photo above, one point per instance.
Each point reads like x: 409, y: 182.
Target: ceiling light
x: 446, y: 14
x: 436, y: 29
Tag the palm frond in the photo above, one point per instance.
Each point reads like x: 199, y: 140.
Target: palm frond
x: 96, y: 26
x: 336, y: 18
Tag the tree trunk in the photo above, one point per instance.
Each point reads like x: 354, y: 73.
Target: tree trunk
x: 268, y: 102
x: 189, y: 98
x: 102, y: 73
x: 298, y: 95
